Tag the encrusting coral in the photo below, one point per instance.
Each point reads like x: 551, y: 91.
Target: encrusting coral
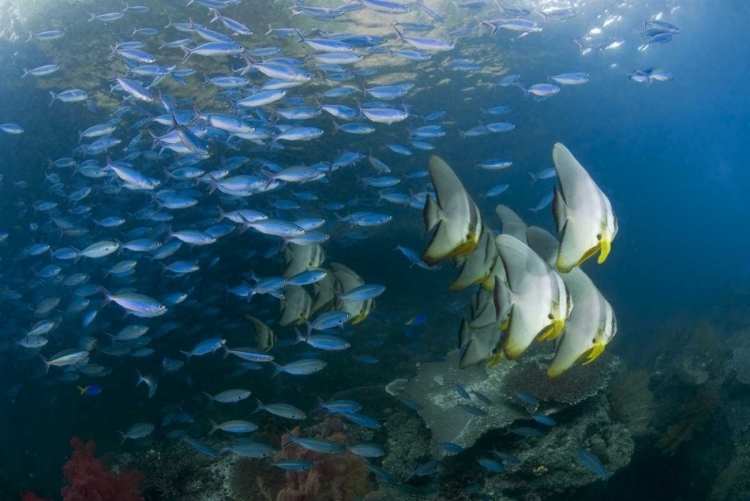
x: 694, y: 415
x: 632, y: 400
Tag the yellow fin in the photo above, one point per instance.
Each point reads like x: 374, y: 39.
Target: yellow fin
x: 361, y: 316
x: 594, y: 352
x: 558, y: 326
x: 605, y: 246
x: 544, y: 335
x: 566, y: 268
x: 495, y: 359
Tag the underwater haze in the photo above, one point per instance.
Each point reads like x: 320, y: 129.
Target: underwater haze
x: 308, y: 250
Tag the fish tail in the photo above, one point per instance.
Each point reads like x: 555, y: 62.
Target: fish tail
x: 213, y: 184
x: 187, y: 52
x: 214, y: 426
x: 222, y: 214
x: 300, y: 337
x: 291, y: 436
x: 399, y: 35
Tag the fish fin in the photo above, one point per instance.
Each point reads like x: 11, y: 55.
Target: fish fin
x: 439, y: 247
x: 514, y: 255
x: 210, y: 398
x: 559, y: 210
x: 512, y: 224
x: 495, y: 359
x: 480, y: 347
x: 431, y: 214
x: 543, y: 243
x: 464, y: 334
x: 566, y: 256
x: 519, y: 333
x: 604, y: 246
x: 214, y: 426
x: 360, y: 317
x: 593, y: 353
x: 546, y: 334
x: 502, y: 297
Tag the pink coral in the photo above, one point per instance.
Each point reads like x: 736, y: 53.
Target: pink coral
x: 90, y: 481
x: 333, y: 477
x: 30, y: 496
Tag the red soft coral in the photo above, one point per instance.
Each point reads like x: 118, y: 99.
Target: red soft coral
x: 333, y: 477
x: 30, y: 496
x: 90, y: 481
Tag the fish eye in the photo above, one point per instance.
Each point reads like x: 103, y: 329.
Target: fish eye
x: 550, y: 316
x: 598, y: 236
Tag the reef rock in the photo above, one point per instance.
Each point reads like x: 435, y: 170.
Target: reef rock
x: 434, y: 390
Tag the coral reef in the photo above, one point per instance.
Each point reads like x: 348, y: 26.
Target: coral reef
x: 168, y: 467
x: 575, y: 385
x: 433, y: 389
x: 692, y: 353
x: 30, y: 496
x: 89, y: 480
x: 548, y: 462
x: 253, y: 480
x: 632, y: 401
x: 694, y: 415
x: 333, y: 477
x: 408, y: 443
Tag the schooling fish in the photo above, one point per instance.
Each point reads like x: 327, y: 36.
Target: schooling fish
x: 591, y: 326
x: 592, y: 463
x: 454, y: 216
x: 535, y: 295
x: 583, y: 214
